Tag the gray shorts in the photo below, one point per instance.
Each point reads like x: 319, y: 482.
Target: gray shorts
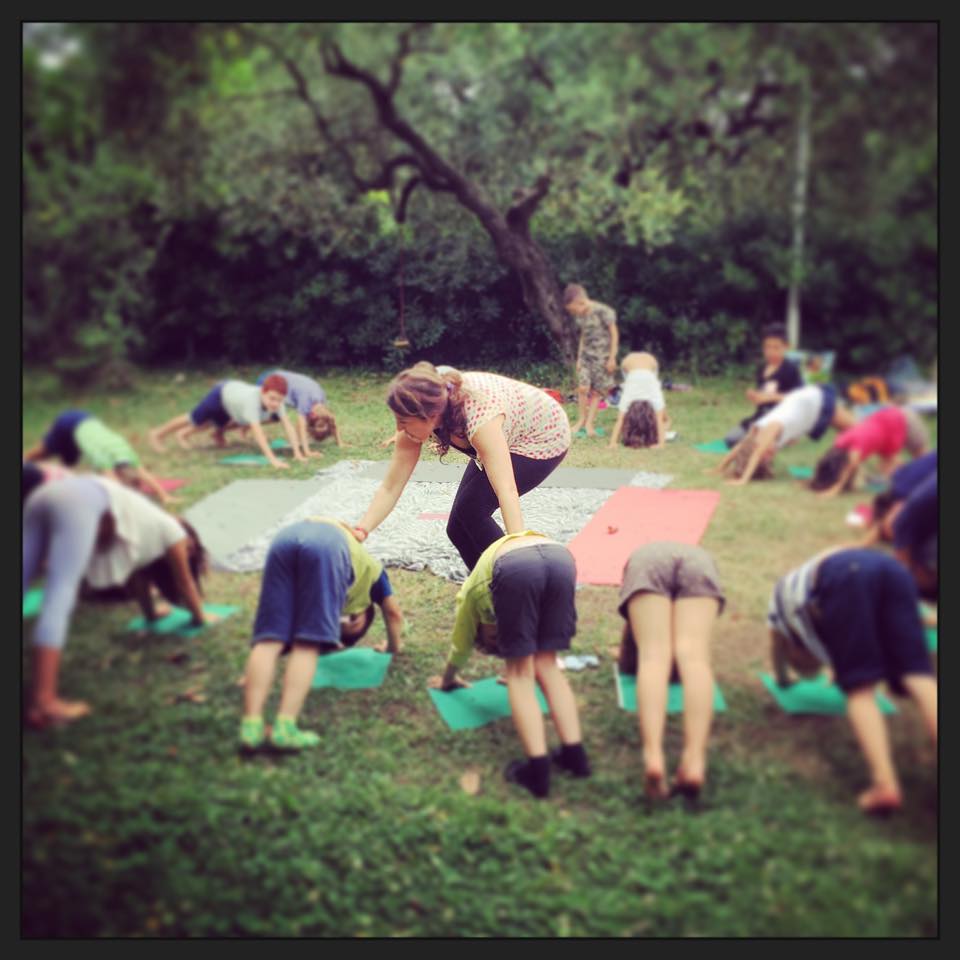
x: 671, y: 569
x: 533, y: 598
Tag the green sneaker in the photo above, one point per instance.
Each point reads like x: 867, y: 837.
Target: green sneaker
x: 286, y: 735
x: 252, y: 736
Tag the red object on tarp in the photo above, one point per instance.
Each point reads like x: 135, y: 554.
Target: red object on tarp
x: 632, y: 517
x: 553, y: 393
x: 168, y: 483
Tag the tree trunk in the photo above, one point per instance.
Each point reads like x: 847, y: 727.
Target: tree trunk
x: 799, y: 214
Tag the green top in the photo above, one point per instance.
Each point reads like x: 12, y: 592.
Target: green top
x: 366, y: 569
x: 103, y: 447
x: 475, y: 601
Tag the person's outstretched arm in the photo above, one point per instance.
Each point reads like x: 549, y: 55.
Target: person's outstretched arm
x: 406, y: 453
x: 149, y: 480
x: 393, y: 621
x: 614, y: 347
x: 493, y: 450
x: 661, y: 427
x: 258, y: 435
x: 617, y: 427
x: 186, y: 587
x: 853, y: 460
x: 291, y: 436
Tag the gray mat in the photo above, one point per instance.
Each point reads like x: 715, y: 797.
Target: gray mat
x: 243, y: 509
x: 404, y: 539
x: 595, y: 478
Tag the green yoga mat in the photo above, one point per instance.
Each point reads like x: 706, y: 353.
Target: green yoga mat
x: 278, y: 443
x: 712, y: 446
x: 358, y: 668
x: 815, y: 696
x: 484, y: 701
x: 627, y: 695
x: 177, y: 622
x: 32, y: 601
x: 246, y: 459
x: 931, y: 638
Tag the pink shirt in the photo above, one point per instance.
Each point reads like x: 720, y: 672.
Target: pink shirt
x: 883, y: 433
x: 535, y: 425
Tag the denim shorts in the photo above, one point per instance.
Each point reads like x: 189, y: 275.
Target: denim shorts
x: 533, y: 598
x: 865, y: 609
x: 210, y: 409
x: 304, y: 587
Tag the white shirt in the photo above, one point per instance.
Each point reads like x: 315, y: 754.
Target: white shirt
x: 641, y: 385
x: 242, y: 401
x: 797, y: 413
x: 143, y: 533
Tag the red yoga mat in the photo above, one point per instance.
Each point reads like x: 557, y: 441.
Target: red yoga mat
x: 632, y: 517
x: 168, y: 483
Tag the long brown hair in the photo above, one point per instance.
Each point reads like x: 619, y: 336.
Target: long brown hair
x: 640, y: 425
x: 740, y: 459
x: 421, y: 393
x: 828, y: 470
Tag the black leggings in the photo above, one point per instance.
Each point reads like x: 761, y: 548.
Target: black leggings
x: 471, y: 527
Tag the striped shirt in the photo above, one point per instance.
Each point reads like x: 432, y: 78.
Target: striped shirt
x: 789, y: 611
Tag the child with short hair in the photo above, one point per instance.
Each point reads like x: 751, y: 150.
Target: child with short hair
x: 916, y: 536
x: 78, y: 433
x: 642, y: 411
x: 317, y: 595
x: 776, y: 376
x: 670, y: 597
x: 518, y: 604
x: 856, y: 611
x: 809, y: 411
x: 883, y: 434
x: 596, y: 354
x: 888, y: 504
x: 242, y: 403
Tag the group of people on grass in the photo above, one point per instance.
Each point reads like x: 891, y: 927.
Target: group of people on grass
x: 852, y: 610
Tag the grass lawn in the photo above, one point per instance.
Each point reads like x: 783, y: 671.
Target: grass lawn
x: 142, y: 820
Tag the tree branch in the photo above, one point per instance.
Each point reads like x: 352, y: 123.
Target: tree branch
x: 527, y: 201
x: 400, y: 214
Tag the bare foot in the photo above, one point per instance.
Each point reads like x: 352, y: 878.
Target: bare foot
x: 655, y: 784
x: 880, y: 800
x: 182, y: 440
x: 56, y: 713
x: 155, y: 442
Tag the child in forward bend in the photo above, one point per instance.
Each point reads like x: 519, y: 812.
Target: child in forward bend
x: 642, y: 411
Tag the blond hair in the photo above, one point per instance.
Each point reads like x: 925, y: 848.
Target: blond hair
x: 421, y: 393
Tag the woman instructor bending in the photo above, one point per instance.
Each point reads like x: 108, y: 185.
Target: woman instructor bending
x: 515, y: 435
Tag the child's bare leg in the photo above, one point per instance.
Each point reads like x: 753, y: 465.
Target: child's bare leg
x: 650, y: 616
x: 592, y: 412
x: 582, y: 394
x: 521, y: 690
x: 923, y: 690
x: 870, y: 730
x: 693, y: 624
x: 556, y: 688
x: 301, y: 668
x: 261, y: 665
x: 157, y: 434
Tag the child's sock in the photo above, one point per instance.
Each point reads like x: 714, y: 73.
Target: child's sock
x: 573, y: 758
x: 533, y: 773
x: 251, y: 732
x: 288, y: 736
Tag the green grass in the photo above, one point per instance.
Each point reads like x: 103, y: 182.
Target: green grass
x: 142, y: 820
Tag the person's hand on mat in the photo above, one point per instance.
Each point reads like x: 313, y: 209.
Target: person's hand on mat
x: 209, y: 619
x: 281, y: 464
x: 161, y: 610
x: 385, y: 648
x: 436, y: 683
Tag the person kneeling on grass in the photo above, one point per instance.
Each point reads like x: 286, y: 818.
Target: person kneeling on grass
x: 523, y: 586
x: 883, y: 434
x: 641, y: 412
x: 77, y: 433
x: 856, y: 612
x: 88, y: 527
x: 317, y: 594
x: 240, y: 403
x: 670, y: 598
x: 809, y: 411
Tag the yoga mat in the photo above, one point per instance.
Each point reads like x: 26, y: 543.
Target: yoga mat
x: 246, y: 459
x: 804, y: 473
x: 484, y: 701
x: 169, y: 484
x: 278, y: 443
x: 815, y: 696
x: 627, y: 694
x: 931, y: 633
x: 358, y: 668
x: 177, y: 622
x: 243, y: 509
x: 632, y: 517
x: 32, y: 601
x: 712, y: 446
